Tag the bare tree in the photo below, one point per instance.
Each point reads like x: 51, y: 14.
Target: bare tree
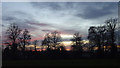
x: 104, y: 35
x: 25, y: 39
x: 47, y: 40
x: 92, y: 35
x: 111, y: 27
x: 101, y: 33
x: 77, y: 42
x: 55, y: 38
x: 35, y: 43
x: 97, y: 36
x: 13, y: 33
x: 52, y: 39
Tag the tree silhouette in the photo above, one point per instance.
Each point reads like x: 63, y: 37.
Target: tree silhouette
x: 47, y: 40
x: 35, y: 43
x: 25, y: 39
x: 62, y: 48
x: 92, y: 35
x: 102, y: 37
x: 97, y: 36
x: 55, y: 38
x: 13, y: 33
x: 52, y: 39
x: 111, y: 27
x: 77, y: 42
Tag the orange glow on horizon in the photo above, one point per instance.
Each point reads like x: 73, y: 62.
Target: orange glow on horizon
x: 67, y: 49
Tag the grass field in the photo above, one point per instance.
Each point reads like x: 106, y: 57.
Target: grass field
x: 99, y: 63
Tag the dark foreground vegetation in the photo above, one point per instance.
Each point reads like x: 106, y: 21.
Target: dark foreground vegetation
x: 84, y: 63
x: 56, y: 58
x: 56, y: 54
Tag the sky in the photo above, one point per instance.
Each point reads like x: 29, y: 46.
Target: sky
x: 65, y: 17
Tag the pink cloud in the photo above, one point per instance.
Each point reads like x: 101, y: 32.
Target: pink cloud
x: 39, y: 24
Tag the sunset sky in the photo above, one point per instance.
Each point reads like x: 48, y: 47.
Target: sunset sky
x: 66, y: 17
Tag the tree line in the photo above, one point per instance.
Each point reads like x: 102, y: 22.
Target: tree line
x: 104, y: 36
x: 101, y: 36
x: 17, y: 37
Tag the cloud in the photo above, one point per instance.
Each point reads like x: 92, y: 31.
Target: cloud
x: 53, y: 5
x: 86, y: 10
x: 46, y: 30
x: 70, y: 31
x: 39, y: 24
x: 8, y: 18
x: 20, y: 18
x: 97, y: 10
x: 66, y: 17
